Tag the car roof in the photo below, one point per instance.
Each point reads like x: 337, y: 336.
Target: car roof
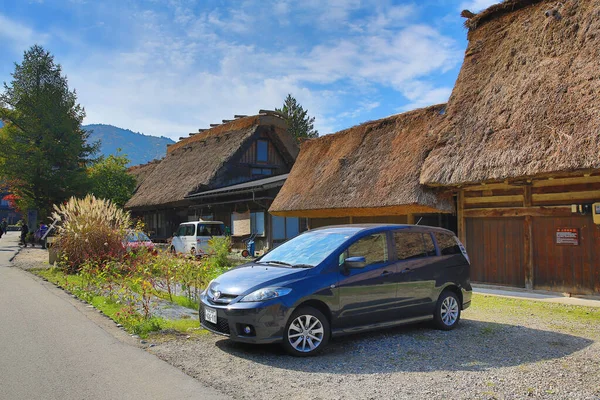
x: 364, y: 228
x: 201, y: 222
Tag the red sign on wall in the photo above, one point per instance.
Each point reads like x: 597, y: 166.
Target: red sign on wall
x: 567, y: 236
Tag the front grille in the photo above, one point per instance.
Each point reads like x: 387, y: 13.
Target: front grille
x: 224, y: 298
x: 222, y: 325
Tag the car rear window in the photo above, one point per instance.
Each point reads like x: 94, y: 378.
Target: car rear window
x: 447, y: 244
x: 413, y: 245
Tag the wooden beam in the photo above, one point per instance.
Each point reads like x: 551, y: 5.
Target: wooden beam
x: 460, y: 213
x: 359, y: 212
x: 517, y: 198
x: 567, y: 196
x: 528, y: 251
x: 566, y: 181
x: 560, y: 211
x: 527, y: 196
x: 490, y: 186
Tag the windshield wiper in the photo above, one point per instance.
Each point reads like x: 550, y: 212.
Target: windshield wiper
x: 302, y: 266
x: 277, y: 262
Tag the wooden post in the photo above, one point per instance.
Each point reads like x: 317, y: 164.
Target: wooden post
x: 410, y: 219
x: 351, y: 220
x: 528, y: 249
x: 528, y: 245
x: 460, y: 207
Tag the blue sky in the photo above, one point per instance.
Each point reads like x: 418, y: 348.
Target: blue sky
x: 170, y: 67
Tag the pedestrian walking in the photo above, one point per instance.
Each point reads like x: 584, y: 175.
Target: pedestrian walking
x: 4, y: 225
x: 24, y: 232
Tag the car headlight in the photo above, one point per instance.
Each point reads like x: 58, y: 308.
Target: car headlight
x: 265, y: 294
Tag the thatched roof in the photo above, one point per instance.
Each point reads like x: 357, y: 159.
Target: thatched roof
x: 195, y: 163
x: 141, y: 172
x: 527, y: 100
x: 368, y: 170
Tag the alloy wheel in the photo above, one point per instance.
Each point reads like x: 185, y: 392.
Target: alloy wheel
x: 449, y: 311
x: 305, y: 333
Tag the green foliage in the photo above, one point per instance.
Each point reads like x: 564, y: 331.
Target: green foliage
x: 109, y: 179
x: 44, y: 151
x: 90, y: 229
x: 300, y: 125
x: 126, y: 288
x: 219, y: 248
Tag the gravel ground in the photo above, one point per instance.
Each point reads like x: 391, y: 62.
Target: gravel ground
x: 490, y: 356
x: 32, y: 257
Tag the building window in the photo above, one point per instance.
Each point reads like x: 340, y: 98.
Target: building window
x: 284, y: 228
x: 257, y: 223
x: 262, y: 151
x: 261, y: 172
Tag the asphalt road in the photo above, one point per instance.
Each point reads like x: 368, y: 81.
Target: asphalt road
x: 54, y: 347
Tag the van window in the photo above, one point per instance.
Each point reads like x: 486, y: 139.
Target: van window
x: 373, y: 248
x: 210, y: 230
x: 411, y: 245
x: 189, y: 230
x: 447, y: 244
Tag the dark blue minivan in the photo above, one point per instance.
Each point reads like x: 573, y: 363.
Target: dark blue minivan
x: 339, y: 280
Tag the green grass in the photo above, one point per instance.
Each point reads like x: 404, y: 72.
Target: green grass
x: 527, y: 308
x: 139, y: 326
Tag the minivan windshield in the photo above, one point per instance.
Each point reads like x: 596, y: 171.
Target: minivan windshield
x: 308, y: 249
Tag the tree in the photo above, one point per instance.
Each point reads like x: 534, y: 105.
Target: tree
x: 110, y: 180
x: 300, y: 125
x: 44, y: 150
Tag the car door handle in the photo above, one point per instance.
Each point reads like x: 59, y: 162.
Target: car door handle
x: 385, y: 273
x: 406, y: 271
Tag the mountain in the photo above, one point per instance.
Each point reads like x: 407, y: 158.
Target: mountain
x: 139, y: 148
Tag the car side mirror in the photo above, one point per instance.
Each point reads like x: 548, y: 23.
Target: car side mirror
x: 355, y: 262
x: 174, y: 234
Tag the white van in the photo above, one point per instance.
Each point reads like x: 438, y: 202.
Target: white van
x: 192, y: 237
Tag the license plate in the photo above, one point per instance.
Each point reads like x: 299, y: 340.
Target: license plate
x: 210, y: 315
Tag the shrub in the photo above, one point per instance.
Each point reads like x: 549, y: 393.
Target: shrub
x: 90, y: 229
x: 219, y: 248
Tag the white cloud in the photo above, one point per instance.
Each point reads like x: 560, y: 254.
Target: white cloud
x: 181, y: 69
x: 19, y: 36
x: 477, y: 5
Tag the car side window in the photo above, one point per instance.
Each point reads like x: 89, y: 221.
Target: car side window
x: 202, y: 231
x: 429, y: 246
x: 373, y: 248
x: 447, y: 244
x: 181, y: 230
x: 410, y: 245
x: 189, y: 230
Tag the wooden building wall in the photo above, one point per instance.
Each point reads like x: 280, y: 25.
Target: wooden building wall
x: 510, y: 232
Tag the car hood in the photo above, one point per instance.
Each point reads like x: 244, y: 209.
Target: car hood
x: 252, y: 277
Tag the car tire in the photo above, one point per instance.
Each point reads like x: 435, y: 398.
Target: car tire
x: 447, y: 311
x: 306, y: 342
x: 172, y: 250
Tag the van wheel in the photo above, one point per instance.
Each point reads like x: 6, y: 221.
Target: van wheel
x: 447, y: 311
x: 172, y: 250
x: 193, y: 252
x: 306, y: 333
